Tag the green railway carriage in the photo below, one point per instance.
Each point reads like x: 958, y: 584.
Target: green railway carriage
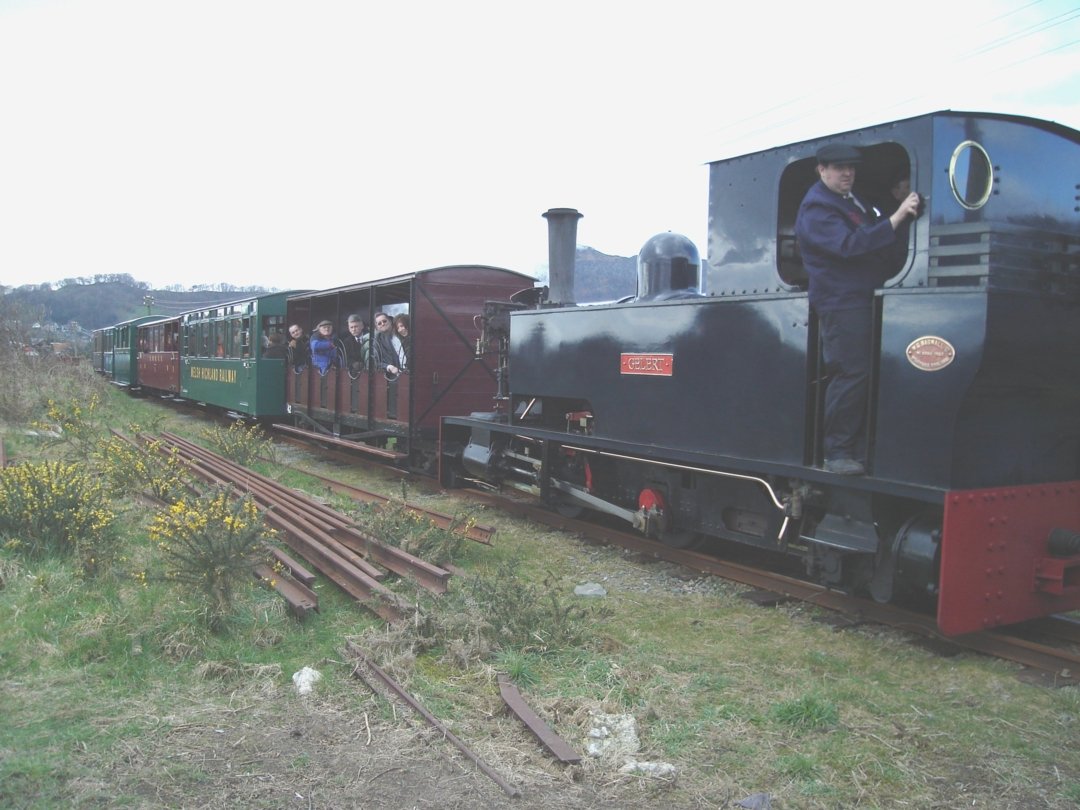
x: 102, y: 350
x: 119, y: 360
x: 222, y: 360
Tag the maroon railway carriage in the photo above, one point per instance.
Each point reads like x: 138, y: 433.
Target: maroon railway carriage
x: 399, y: 418
x: 158, y: 345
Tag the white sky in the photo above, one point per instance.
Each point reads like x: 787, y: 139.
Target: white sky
x: 317, y: 143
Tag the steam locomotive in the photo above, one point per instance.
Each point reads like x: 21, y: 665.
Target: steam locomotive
x: 693, y: 411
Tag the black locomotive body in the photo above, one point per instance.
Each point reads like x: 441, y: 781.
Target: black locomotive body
x: 694, y: 411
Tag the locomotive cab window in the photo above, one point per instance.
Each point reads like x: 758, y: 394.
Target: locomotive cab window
x: 884, y: 173
x: 971, y: 175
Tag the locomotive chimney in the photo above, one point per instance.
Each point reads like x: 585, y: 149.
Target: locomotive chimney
x: 562, y: 245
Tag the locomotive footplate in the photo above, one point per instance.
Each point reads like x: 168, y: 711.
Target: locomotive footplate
x: 998, y: 565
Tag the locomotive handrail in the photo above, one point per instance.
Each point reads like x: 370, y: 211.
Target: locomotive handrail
x: 767, y: 486
x: 753, y: 478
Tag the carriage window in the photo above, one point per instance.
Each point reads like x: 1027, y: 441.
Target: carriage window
x: 220, y: 342
x: 971, y: 175
x: 272, y: 324
x: 242, y: 337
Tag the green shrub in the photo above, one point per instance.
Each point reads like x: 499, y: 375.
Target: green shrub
x: 511, y: 613
x: 73, y: 424
x: 129, y: 469
x: 56, y: 508
x: 211, y: 543
x: 239, y: 442
x: 396, y: 524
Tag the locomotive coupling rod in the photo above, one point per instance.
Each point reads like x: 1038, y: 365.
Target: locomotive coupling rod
x: 599, y: 504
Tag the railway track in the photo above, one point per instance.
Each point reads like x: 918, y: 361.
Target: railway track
x: 1047, y: 647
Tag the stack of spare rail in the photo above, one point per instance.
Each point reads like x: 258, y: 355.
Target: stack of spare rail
x: 328, y: 540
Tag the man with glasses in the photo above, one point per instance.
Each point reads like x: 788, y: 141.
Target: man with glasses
x: 386, y: 356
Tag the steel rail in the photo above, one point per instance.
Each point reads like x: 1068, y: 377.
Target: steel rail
x: 338, y: 563
x: 270, y: 495
x: 400, y: 691
x: 338, y: 527
x: 356, y: 447
x: 294, y: 568
x: 479, y: 533
x: 293, y: 583
x: 300, y: 599
x: 555, y: 744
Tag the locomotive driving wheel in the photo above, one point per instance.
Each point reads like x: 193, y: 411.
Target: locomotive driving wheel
x: 656, y: 517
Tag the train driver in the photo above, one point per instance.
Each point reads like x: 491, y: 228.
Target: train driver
x: 847, y: 252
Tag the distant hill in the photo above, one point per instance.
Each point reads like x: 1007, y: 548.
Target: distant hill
x: 602, y: 277
x: 106, y: 300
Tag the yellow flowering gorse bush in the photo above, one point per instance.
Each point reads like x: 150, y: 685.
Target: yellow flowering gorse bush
x: 56, y: 507
x: 129, y: 469
x: 211, y: 542
x: 74, y: 424
x: 239, y: 442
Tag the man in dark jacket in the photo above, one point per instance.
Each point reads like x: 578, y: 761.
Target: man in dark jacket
x: 356, y: 345
x: 386, y: 354
x: 299, y: 351
x: 847, y: 252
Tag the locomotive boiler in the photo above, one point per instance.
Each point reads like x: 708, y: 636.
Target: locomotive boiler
x: 693, y: 412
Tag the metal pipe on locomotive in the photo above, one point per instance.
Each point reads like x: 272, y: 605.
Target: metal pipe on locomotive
x: 693, y: 410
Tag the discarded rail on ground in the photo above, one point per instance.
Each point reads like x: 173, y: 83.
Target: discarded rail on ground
x: 365, y: 663
x: 328, y: 540
x: 474, y: 531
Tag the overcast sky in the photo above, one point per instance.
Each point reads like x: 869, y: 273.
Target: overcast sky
x: 317, y: 143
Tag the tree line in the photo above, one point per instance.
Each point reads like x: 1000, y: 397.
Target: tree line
x: 105, y: 299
